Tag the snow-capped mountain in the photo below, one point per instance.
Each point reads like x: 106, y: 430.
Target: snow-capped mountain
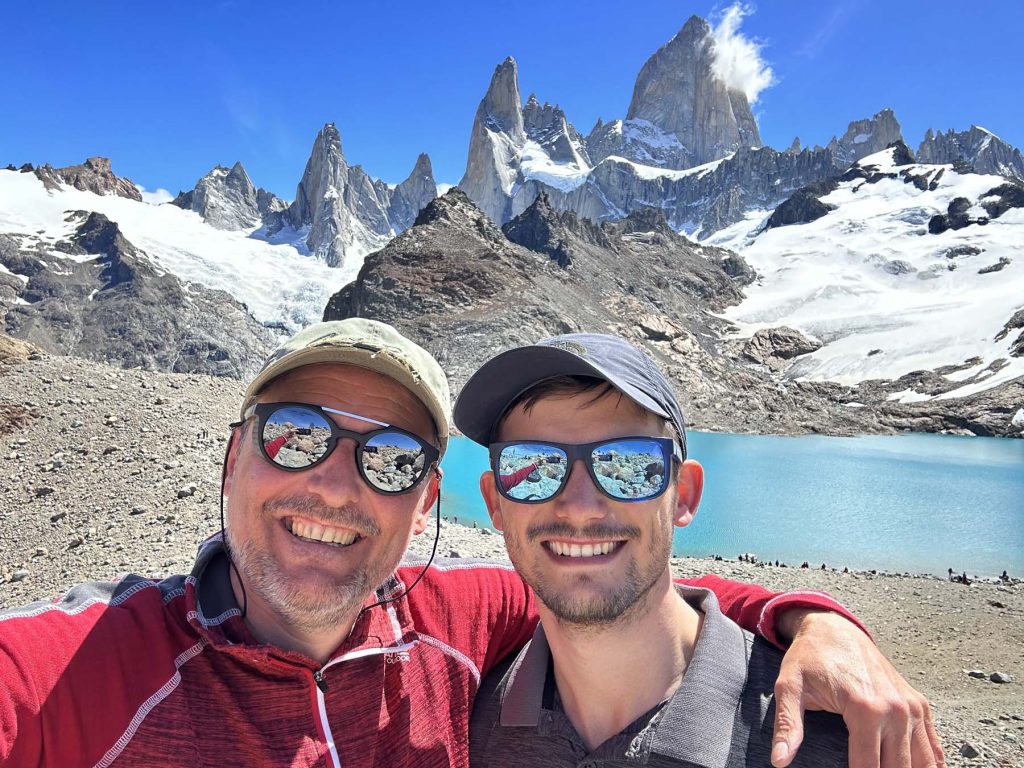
x: 281, y: 286
x: 900, y: 267
x: 689, y: 146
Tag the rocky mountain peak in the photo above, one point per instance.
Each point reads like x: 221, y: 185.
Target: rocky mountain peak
x: 866, y: 137
x: 678, y: 92
x: 981, y: 150
x: 409, y: 197
x: 501, y: 108
x: 495, y: 142
x: 456, y: 208
x: 94, y: 175
x: 227, y: 199
x: 324, y: 170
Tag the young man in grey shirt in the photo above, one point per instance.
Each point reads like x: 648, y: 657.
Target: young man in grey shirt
x: 588, y: 479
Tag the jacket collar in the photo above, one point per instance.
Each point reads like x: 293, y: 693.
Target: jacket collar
x: 698, y: 721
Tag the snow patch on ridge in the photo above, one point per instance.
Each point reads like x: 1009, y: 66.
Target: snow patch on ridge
x: 877, y: 289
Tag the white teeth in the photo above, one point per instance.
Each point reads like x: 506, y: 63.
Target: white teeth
x: 581, y: 550
x: 327, y: 535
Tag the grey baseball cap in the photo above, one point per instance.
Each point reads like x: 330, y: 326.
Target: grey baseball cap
x: 502, y: 379
x: 367, y: 344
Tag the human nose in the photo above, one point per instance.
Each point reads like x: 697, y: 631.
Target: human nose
x: 336, y: 479
x: 580, y: 500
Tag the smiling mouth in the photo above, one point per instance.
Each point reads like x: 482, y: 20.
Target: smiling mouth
x: 592, y: 549
x: 321, y: 534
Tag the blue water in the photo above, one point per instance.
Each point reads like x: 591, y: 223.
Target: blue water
x: 918, y: 503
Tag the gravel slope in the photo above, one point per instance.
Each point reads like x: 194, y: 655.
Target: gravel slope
x: 104, y: 470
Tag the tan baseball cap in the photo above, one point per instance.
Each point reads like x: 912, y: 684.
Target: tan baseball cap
x: 367, y: 344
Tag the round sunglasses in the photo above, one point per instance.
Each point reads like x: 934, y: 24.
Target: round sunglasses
x: 623, y: 469
x: 297, y: 436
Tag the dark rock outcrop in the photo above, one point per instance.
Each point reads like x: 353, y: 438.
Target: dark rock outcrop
x: 776, y: 347
x: 804, y: 205
x: 116, y: 307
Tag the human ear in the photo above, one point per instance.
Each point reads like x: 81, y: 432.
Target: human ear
x: 231, y: 456
x: 429, y: 498
x: 690, y: 485
x: 492, y: 499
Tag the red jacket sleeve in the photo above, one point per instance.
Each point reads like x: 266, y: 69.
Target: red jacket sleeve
x: 275, y: 445
x: 757, y: 609
x: 509, y: 482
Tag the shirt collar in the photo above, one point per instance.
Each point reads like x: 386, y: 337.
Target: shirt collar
x: 698, y: 721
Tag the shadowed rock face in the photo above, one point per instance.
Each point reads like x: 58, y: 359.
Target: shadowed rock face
x: 117, y: 308
x: 678, y: 92
x: 94, y: 175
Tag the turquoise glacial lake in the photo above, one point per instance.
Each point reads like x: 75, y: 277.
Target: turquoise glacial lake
x: 917, y: 503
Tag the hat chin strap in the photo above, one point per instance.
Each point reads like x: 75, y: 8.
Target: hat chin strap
x: 433, y: 551
x: 223, y: 533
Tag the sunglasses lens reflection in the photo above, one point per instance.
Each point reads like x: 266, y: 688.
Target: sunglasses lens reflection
x: 295, y: 437
x: 393, y: 461
x: 631, y: 470
x: 531, y: 471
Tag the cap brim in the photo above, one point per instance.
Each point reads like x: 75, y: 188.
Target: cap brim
x: 377, y: 361
x: 501, y: 380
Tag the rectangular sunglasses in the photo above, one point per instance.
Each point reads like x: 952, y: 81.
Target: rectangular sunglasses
x: 297, y: 436
x: 623, y: 468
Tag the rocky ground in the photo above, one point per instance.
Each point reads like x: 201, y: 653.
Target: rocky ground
x: 104, y: 470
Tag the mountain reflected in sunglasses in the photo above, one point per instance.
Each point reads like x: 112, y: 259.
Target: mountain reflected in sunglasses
x: 624, y: 469
x: 297, y: 436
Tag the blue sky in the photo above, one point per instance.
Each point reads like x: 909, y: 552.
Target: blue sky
x: 167, y: 90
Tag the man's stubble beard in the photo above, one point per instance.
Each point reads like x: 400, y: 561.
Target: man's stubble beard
x: 302, y: 605
x: 592, y: 611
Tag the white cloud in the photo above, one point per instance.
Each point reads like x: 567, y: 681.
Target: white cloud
x: 738, y: 61
x: 443, y: 187
x: 157, y: 197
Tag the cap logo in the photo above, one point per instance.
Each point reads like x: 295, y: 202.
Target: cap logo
x: 569, y: 346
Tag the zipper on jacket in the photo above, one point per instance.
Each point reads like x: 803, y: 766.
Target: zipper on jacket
x: 320, y: 680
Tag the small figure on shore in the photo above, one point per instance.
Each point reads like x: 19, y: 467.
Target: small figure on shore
x: 951, y: 575
x: 965, y: 580
x: 776, y: 563
x: 805, y: 564
x: 823, y: 566
x: 1004, y: 577
x: 846, y: 570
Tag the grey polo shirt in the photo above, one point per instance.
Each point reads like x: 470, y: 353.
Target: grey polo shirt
x: 722, y: 714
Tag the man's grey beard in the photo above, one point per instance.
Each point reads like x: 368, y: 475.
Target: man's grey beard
x: 299, y: 606
x: 303, y: 608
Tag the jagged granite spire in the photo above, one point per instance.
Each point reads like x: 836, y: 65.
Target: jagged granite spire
x: 227, y: 199
x: 325, y: 169
x: 982, y: 150
x: 413, y: 194
x: 678, y: 92
x: 494, y: 144
x: 866, y: 137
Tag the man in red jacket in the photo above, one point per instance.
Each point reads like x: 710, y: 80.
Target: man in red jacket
x: 303, y: 639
